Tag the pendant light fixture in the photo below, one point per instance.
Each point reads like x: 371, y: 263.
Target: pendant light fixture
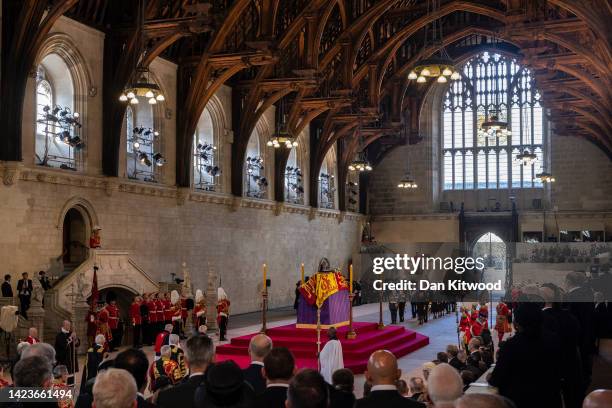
x: 141, y: 85
x: 282, y: 135
x: 439, y: 66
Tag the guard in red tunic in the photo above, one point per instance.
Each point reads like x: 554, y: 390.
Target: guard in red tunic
x: 199, y: 310
x: 162, y: 339
x: 184, y: 313
x: 136, y: 321
x: 104, y: 326
x: 159, y: 308
x: 464, y: 327
x: 32, y: 336
x: 502, y: 321
x: 152, y: 306
x: 177, y: 314
x: 167, y: 309
x: 113, y: 321
x: 223, y: 305
x: 95, y: 241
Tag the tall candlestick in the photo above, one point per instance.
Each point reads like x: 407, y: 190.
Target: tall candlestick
x: 265, y: 272
x: 302, y: 270
x: 351, y: 278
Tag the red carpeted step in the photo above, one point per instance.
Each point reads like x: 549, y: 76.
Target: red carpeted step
x: 302, y: 343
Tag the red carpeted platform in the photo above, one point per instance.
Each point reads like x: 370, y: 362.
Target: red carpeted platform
x: 303, y: 344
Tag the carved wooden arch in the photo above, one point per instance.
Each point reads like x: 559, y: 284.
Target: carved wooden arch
x: 85, y: 208
x: 390, y: 49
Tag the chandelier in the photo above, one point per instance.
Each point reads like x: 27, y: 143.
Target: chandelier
x: 440, y: 66
x: 360, y: 163
x: 544, y: 177
x: 407, y: 182
x: 142, y: 86
x: 494, y: 127
x: 282, y: 135
x: 526, y: 157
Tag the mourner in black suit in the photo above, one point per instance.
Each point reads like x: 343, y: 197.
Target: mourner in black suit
x: 7, y: 289
x: 66, y: 343
x: 531, y: 345
x: 44, y: 280
x: 24, y: 290
x: 199, y: 351
x: 383, y: 373
x: 279, y: 366
x: 259, y: 347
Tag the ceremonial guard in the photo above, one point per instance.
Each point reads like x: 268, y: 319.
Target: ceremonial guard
x: 66, y: 343
x: 113, y: 321
x: 104, y: 325
x: 159, y: 309
x: 95, y: 355
x: 91, y: 319
x: 152, y: 307
x: 184, y: 313
x: 167, y: 309
x: 223, y: 305
x: 199, y: 310
x: 144, y: 315
x: 95, y: 241
x: 480, y: 322
x: 164, y: 366
x: 464, y: 327
x: 502, y: 321
x: 162, y: 339
x: 136, y: 321
x: 176, y: 309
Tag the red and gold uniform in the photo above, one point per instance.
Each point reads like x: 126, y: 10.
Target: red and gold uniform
x: 64, y: 402
x: 164, y: 366
x: 167, y: 309
x: 464, y: 327
x: 32, y: 340
x: 136, y: 321
x: 103, y: 325
x: 159, y: 309
x: 502, y: 321
x: 199, y: 314
x: 177, y: 313
x: 223, y: 307
x: 4, y: 383
x: 113, y: 323
x: 152, y: 306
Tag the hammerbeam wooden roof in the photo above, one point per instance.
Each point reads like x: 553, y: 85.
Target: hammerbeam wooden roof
x: 340, y: 65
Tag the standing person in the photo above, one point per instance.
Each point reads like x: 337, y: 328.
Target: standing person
x: 176, y: 353
x: 177, y: 317
x: 95, y: 241
x: 259, y: 347
x: 279, y: 367
x: 113, y: 321
x: 66, y: 343
x: 32, y: 336
x: 136, y: 321
x: 24, y: 290
x: 95, y: 355
x: 331, y: 355
x: 199, y: 310
x: 392, y: 298
x: 401, y: 304
x: 7, y: 289
x: 152, y: 308
x: 159, y: 310
x: 223, y: 305
x: 502, y: 325
x: 104, y: 325
x: 144, y: 316
x: 167, y: 309
x: 162, y: 339
x: 297, y: 295
x: 44, y: 280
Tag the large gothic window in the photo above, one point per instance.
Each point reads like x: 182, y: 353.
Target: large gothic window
x: 491, y: 84
x: 144, y: 157
x: 206, y: 168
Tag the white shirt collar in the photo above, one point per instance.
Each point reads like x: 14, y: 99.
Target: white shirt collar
x: 384, y: 387
x: 278, y: 385
x: 65, y: 331
x: 259, y: 363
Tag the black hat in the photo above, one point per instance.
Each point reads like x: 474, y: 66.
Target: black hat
x: 225, y: 385
x: 110, y: 296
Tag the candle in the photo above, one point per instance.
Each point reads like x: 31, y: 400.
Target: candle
x: 265, y: 271
x: 302, y: 269
x: 351, y: 277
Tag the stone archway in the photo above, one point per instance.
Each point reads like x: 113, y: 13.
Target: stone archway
x: 75, y: 223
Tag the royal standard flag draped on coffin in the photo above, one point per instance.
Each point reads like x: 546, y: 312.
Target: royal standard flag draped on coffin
x: 321, y: 286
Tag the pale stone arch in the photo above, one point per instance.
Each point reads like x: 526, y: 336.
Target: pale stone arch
x: 84, y: 207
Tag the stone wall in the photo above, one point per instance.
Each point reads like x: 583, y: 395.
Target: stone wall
x: 162, y: 227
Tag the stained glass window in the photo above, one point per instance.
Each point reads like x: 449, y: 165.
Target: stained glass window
x: 491, y: 83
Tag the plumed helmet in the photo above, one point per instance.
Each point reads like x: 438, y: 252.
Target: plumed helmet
x: 174, y: 297
x: 221, y: 294
x: 199, y: 296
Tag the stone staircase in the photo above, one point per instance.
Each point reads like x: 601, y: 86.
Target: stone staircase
x: 67, y: 299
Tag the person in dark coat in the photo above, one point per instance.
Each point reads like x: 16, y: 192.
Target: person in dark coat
x: 308, y: 389
x: 259, y: 347
x: 44, y: 280
x: 136, y: 363
x: 512, y: 376
x: 279, y: 367
x: 24, y: 290
x: 7, y: 289
x: 66, y: 343
x: 224, y: 386
x: 199, y: 353
x: 382, y: 373
x: 343, y: 385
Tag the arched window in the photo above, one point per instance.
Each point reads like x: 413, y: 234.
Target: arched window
x: 256, y: 183
x: 327, y: 181
x: 491, y: 83
x: 294, y: 181
x: 144, y: 157
x: 206, y: 168
x: 58, y: 127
